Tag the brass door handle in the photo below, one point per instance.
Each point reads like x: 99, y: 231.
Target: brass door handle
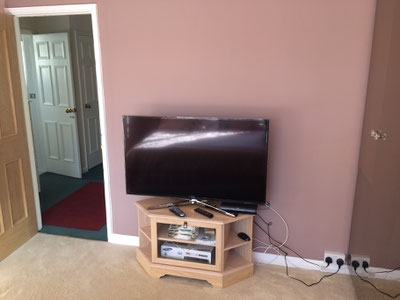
x: 378, y: 134
x: 88, y: 106
x: 70, y: 110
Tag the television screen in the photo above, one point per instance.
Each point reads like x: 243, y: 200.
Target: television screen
x: 202, y: 158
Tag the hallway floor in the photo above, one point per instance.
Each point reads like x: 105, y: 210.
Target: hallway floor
x: 54, y: 188
x: 56, y: 267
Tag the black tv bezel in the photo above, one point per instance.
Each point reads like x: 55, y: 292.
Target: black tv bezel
x: 266, y: 121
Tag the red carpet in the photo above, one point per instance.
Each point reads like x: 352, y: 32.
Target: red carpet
x: 83, y: 209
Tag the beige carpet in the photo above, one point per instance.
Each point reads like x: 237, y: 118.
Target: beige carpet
x: 56, y: 267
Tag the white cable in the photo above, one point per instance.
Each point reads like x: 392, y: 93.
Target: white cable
x: 267, y: 246
x: 277, y: 248
x: 284, y: 222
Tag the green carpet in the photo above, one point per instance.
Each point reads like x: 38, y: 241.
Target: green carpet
x: 54, y: 188
x: 100, y: 235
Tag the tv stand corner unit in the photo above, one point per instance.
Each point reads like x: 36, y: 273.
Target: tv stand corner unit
x: 232, y: 257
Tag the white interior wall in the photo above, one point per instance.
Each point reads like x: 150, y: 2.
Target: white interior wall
x: 40, y: 25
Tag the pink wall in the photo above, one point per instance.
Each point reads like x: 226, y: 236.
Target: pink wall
x: 301, y: 64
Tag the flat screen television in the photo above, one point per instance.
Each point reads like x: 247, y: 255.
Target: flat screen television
x: 216, y: 159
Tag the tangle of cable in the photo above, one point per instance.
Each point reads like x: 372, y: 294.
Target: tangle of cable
x: 286, y: 264
x: 281, y: 245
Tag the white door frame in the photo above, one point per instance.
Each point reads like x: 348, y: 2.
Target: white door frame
x: 60, y: 10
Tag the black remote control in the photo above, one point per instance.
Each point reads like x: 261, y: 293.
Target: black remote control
x: 177, y: 211
x: 243, y: 236
x: 204, y: 212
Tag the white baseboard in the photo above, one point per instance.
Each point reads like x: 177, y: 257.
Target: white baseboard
x: 296, y: 262
x: 121, y: 239
x: 275, y: 259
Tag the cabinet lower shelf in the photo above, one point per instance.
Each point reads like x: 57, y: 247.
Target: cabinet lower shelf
x: 237, y: 269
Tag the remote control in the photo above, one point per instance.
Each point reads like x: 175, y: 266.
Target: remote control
x: 243, y: 236
x: 204, y: 212
x: 177, y: 211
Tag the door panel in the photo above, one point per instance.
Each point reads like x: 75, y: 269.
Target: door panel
x: 17, y: 208
x: 67, y: 136
x: 376, y: 204
x: 63, y: 94
x: 8, y: 126
x: 56, y: 92
x: 43, y: 50
x: 46, y: 82
x: 15, y: 191
x: 87, y: 94
x: 52, y: 136
x: 59, y: 50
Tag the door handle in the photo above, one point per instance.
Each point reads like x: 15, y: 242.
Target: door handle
x: 88, y: 106
x: 70, y: 110
x: 378, y: 134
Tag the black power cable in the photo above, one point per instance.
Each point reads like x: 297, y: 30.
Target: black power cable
x: 271, y: 239
x: 373, y: 285
x: 339, y: 262
x: 309, y: 284
x: 287, y: 247
x: 381, y: 272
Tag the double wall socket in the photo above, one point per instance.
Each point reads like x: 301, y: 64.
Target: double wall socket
x: 335, y: 256
x: 360, y: 259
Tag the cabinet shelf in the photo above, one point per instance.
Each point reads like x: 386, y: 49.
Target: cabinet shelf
x: 235, y: 261
x: 163, y: 236
x: 234, y: 241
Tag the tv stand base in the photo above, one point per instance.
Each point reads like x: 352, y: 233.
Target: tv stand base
x: 231, y: 259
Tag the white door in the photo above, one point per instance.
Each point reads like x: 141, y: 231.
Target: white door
x: 88, y: 97
x: 57, y: 103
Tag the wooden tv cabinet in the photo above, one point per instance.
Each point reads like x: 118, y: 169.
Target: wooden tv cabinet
x: 232, y: 261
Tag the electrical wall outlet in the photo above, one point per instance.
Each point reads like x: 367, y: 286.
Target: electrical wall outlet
x: 360, y: 259
x: 335, y: 256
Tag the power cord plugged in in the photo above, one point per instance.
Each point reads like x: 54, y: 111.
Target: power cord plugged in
x: 328, y: 260
x: 355, y: 264
x: 331, y: 258
x: 365, y: 266
x: 363, y: 261
x: 340, y: 262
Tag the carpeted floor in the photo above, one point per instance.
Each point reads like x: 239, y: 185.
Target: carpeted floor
x: 54, y: 188
x: 56, y: 267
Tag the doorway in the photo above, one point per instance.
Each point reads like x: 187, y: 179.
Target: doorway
x: 60, y: 75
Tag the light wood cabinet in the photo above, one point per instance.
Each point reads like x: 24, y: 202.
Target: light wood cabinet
x: 232, y: 256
